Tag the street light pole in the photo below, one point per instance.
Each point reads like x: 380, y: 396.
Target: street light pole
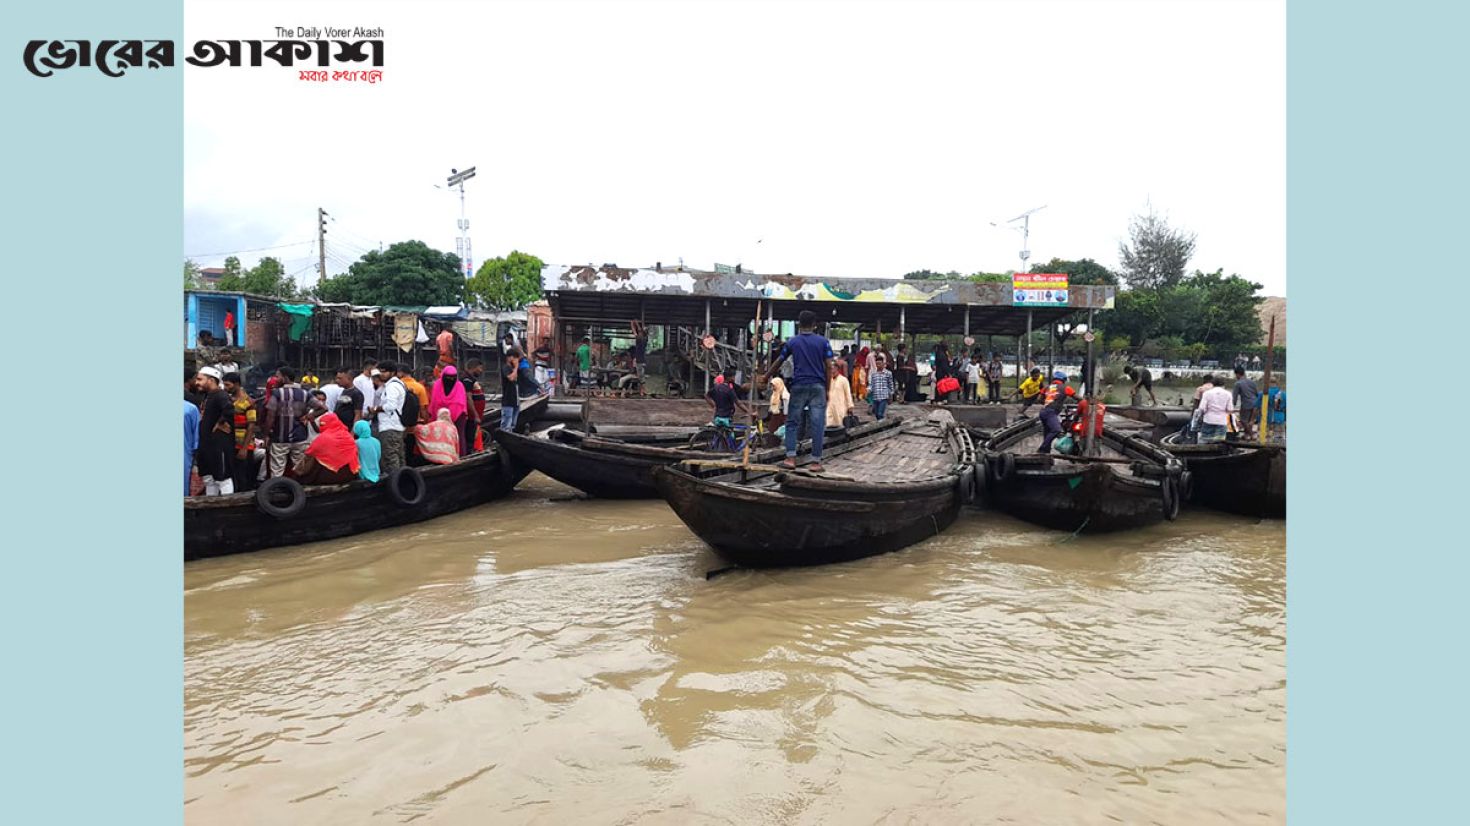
x: 1025, y: 230
x: 462, y: 241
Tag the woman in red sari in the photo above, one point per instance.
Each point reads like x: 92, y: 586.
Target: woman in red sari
x: 331, y: 458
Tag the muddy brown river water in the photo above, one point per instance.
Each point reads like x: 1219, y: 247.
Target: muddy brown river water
x: 540, y: 661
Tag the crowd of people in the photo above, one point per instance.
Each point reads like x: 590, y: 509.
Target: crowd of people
x: 361, y: 424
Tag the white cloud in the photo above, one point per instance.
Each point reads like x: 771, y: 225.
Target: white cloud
x: 856, y: 139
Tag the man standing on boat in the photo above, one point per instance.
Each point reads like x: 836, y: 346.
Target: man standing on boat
x: 390, y: 426
x: 364, y: 384
x: 811, y: 357
x: 1248, y: 399
x: 1213, y: 413
x: 216, y: 436
x: 880, y: 387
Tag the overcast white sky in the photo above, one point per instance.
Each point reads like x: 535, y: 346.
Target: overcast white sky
x: 853, y: 139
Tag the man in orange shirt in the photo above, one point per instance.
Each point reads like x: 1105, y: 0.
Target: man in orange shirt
x: 417, y: 388
x: 445, y: 340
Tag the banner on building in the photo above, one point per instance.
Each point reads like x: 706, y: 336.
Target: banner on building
x: 1038, y: 290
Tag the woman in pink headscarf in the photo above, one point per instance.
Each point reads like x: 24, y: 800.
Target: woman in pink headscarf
x: 448, y: 394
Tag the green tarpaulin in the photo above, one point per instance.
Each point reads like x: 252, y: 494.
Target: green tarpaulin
x: 301, y: 320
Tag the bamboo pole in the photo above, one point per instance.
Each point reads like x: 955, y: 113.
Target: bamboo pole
x: 754, y: 362
x: 1266, y: 381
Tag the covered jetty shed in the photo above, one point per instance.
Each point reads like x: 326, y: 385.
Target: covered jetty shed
x: 712, y: 300
x: 701, y: 300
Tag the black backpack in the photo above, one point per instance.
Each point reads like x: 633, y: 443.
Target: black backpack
x: 409, y: 415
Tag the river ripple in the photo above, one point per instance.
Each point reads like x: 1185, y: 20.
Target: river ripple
x: 541, y: 661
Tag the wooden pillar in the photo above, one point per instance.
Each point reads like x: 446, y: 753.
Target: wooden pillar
x: 967, y: 322
x: 1028, y: 337
x: 1051, y: 350
x: 700, y: 344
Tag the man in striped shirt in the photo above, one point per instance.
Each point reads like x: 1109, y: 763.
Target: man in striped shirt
x: 880, y: 386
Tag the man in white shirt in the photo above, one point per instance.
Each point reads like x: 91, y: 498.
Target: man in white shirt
x: 390, y: 427
x: 364, y: 383
x: 1213, y: 412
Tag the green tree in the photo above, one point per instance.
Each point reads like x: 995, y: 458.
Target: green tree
x: 508, y: 283
x: 930, y: 275
x: 1226, y: 314
x: 1135, y: 316
x: 1156, y: 254
x: 192, y: 281
x: 267, y: 277
x: 1083, y: 271
x: 408, y: 274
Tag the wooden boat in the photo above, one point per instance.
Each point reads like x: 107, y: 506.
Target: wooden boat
x: 883, y: 490
x: 1130, y: 483
x: 1248, y: 479
x: 222, y: 525
x: 621, y: 468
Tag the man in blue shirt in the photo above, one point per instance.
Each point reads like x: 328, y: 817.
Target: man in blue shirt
x: 810, y: 356
x: 191, y: 429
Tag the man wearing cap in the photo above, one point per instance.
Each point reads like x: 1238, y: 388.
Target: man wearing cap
x: 364, y: 384
x: 1057, y: 394
x: 216, y: 435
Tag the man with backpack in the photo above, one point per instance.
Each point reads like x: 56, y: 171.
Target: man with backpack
x: 395, y: 406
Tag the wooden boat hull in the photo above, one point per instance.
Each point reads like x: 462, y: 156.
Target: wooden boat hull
x: 1247, y: 481
x: 612, y: 469
x: 890, y: 485
x: 222, y: 525
x: 602, y: 473
x: 1085, y: 498
x: 760, y: 529
x: 1095, y: 499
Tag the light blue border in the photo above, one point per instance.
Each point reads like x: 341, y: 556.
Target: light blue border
x: 1378, y: 569
x: 92, y: 606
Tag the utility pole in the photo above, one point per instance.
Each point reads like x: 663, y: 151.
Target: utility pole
x: 321, y: 244
x: 462, y: 241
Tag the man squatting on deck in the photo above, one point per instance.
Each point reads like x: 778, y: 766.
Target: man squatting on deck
x: 811, y: 357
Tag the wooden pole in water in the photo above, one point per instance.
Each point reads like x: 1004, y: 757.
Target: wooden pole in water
x: 1266, y: 380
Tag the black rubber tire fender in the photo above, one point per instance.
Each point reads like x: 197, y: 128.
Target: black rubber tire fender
x: 979, y: 473
x: 1169, y: 489
x: 265, y: 497
x: 1002, y: 467
x: 406, y: 486
x: 1186, y: 486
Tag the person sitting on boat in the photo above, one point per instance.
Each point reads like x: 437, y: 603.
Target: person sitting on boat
x: 331, y: 458
x: 810, y: 354
x: 369, y: 451
x: 1213, y: 413
x: 438, y: 441
x: 722, y: 396
x: 1057, y: 394
x: 839, y: 396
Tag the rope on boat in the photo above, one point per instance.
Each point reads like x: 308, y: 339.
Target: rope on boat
x: 1074, y: 533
